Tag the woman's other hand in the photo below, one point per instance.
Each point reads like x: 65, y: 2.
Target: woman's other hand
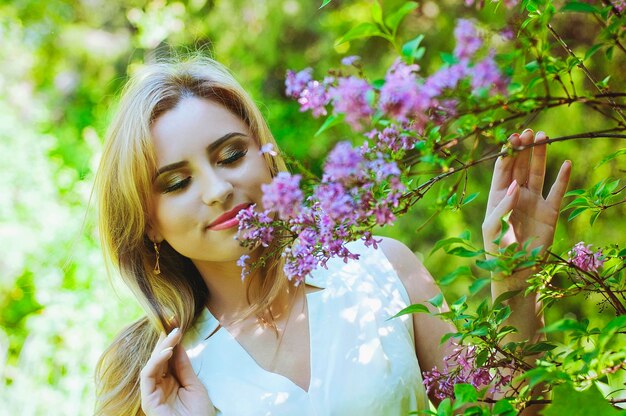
x: 516, y: 187
x: 168, y: 383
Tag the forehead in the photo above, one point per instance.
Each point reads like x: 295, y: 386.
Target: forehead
x: 190, y: 127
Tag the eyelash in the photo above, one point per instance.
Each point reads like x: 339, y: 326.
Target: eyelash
x: 235, y: 156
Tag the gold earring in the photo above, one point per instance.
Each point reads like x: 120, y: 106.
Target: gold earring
x: 157, y: 267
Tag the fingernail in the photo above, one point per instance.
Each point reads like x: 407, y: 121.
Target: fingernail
x: 164, y: 351
x: 512, y: 187
x: 524, y: 132
x: 540, y: 136
x: 174, y: 331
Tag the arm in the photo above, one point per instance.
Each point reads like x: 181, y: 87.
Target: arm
x: 420, y: 287
x: 516, y: 187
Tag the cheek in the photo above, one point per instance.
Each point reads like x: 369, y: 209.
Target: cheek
x: 171, y: 217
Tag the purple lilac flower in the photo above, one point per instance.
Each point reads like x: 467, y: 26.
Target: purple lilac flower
x: 468, y: 40
x: 620, y: 5
x: 283, y: 195
x: 392, y: 138
x: 350, y: 98
x: 460, y: 367
x: 343, y: 163
x: 300, y: 257
x: 314, y: 97
x: 269, y: 149
x: 399, y: 97
x: 486, y: 75
x: 334, y: 201
x: 350, y: 60
x: 445, y: 78
x: 582, y: 257
x: 296, y: 82
x: 254, y: 227
x: 242, y: 262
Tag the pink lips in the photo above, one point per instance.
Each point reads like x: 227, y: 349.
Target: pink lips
x: 228, y: 219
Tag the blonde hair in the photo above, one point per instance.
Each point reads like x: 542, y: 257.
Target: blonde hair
x: 123, y: 185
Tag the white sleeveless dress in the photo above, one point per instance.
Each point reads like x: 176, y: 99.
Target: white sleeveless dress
x: 361, y: 362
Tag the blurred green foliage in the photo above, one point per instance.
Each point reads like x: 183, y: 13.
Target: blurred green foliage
x: 62, y: 65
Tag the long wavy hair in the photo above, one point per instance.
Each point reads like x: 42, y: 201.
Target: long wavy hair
x: 123, y: 186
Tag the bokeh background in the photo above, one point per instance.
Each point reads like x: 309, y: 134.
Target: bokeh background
x: 62, y: 63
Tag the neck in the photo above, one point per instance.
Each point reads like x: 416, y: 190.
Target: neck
x: 230, y: 296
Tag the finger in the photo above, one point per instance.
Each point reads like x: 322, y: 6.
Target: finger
x: 555, y: 197
x: 537, y: 171
x: 502, y: 170
x: 183, y: 368
x: 522, y: 159
x: 491, y: 226
x: 153, y: 371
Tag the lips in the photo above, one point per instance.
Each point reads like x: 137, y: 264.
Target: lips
x: 228, y: 219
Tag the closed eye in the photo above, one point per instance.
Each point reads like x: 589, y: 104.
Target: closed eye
x: 232, y: 157
x: 175, y: 186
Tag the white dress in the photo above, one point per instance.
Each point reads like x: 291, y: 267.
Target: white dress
x: 362, y: 363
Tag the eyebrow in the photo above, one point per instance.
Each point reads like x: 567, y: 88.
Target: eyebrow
x: 212, y: 147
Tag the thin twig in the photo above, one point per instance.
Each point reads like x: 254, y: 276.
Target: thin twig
x: 586, y: 71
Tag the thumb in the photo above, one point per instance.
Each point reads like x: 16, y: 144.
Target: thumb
x: 491, y: 226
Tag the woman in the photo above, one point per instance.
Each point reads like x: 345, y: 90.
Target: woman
x: 182, y: 157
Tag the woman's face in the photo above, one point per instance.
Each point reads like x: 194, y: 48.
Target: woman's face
x: 209, y: 168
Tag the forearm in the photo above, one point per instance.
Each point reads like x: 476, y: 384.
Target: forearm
x: 526, y: 311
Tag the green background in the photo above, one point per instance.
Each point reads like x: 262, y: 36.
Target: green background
x: 62, y: 64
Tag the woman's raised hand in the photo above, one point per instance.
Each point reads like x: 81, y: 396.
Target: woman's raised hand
x: 168, y: 383
x: 516, y: 187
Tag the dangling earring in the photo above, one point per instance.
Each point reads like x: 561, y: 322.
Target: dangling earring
x: 157, y: 267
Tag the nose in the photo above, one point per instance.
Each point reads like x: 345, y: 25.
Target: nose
x: 216, y: 189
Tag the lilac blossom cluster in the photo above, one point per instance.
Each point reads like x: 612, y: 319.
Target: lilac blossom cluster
x: 359, y: 189
x: 405, y: 95
x: 460, y: 367
x: 586, y: 260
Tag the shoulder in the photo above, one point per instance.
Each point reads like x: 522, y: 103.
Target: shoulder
x: 416, y: 279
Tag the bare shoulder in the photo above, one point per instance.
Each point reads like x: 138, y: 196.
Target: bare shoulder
x: 418, y: 282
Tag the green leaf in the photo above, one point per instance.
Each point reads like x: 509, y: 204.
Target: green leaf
x: 409, y: 49
x: 463, y: 394
x: 504, y: 408
x: 612, y: 156
x: 463, y: 252
x: 445, y: 408
x: 575, y: 213
x: 436, y: 301
x: 571, y: 402
x: 395, y: 18
x: 415, y: 308
x: 504, y: 297
x: 575, y: 6
x: 377, y: 13
x: 325, y: 2
x: 331, y: 121
x: 448, y: 58
x: 478, y: 284
x: 591, y: 51
x: 539, y: 347
x: 364, y: 30
x: 455, y: 274
x: 470, y: 198
x: 575, y: 192
x: 532, y: 66
x: 446, y: 242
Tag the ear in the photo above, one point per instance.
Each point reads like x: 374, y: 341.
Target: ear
x: 152, y: 233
